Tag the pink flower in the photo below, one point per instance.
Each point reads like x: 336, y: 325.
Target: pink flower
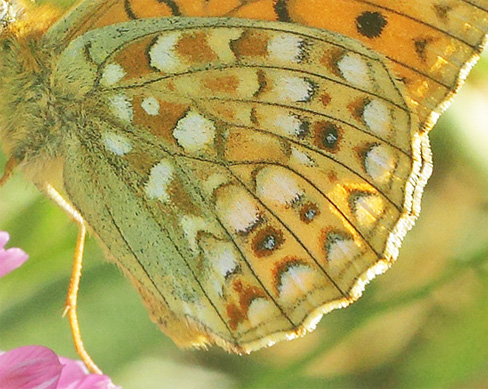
x: 10, y: 259
x: 37, y: 367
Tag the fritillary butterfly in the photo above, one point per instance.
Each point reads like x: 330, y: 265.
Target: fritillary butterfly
x: 247, y: 175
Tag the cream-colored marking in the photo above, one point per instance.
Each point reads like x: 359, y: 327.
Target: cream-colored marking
x: 159, y: 181
x: 277, y: 185
x: 117, y: 144
x: 355, y: 70
x: 194, y: 132
x: 237, y: 208
x: 380, y: 163
x: 260, y: 311
x: 289, y: 125
x: 162, y: 53
x: 377, y: 117
x: 300, y: 157
x: 217, y: 284
x: 219, y: 39
x: 292, y: 88
x: 191, y: 225
x: 112, y: 74
x: 368, y: 208
x: 243, y: 115
x: 213, y: 182
x: 342, y: 250
x: 286, y: 47
x: 224, y: 259
x: 296, y: 282
x: 248, y: 83
x: 151, y: 106
x: 121, y: 107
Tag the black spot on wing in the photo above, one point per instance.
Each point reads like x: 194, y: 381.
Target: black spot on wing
x: 371, y: 24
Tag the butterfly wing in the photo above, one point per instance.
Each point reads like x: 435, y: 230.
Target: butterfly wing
x: 247, y: 176
x: 431, y: 45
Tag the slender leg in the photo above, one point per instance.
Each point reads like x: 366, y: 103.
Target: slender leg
x: 71, y: 301
x: 72, y: 297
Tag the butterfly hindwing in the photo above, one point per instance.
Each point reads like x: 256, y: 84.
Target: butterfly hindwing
x: 248, y: 175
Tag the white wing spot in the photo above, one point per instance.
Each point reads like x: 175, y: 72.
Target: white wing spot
x: 151, y: 106
x: 194, y: 132
x: 286, y: 48
x: 277, y: 185
x: 259, y: 311
x: 121, y: 107
x: 117, y: 144
x: 380, y: 163
x: 224, y: 259
x: 342, y: 250
x: 368, y: 208
x: 301, y: 157
x: 377, y: 117
x: 355, y: 70
x: 159, y: 180
x: 191, y: 225
x: 294, y: 89
x: 237, y: 209
x: 289, y: 125
x: 112, y: 74
x: 296, y: 282
x: 162, y: 53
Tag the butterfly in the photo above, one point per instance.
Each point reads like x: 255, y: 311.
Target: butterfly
x: 247, y: 175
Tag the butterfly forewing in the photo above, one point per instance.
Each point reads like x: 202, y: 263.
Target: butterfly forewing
x: 431, y: 44
x: 247, y: 176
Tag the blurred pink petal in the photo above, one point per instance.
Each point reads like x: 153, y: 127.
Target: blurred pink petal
x: 93, y: 381
x: 37, y: 367
x: 10, y: 259
x: 29, y: 367
x: 73, y: 371
x: 76, y: 376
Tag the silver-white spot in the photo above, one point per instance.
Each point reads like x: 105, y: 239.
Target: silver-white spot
x: 112, y: 74
x: 117, y: 144
x: 301, y: 157
x: 277, y: 185
x: 368, y: 208
x: 159, y: 181
x: 294, y: 89
x: 151, y: 106
x: 342, y: 249
x: 194, y: 132
x: 377, y: 117
x: 296, y: 282
x: 224, y: 259
x: 237, y: 209
x: 290, y: 125
x: 286, y: 47
x: 121, y: 107
x: 260, y: 311
x: 355, y: 70
x: 162, y: 53
x: 191, y: 225
x: 380, y: 163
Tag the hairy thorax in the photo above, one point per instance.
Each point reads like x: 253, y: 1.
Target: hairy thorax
x: 36, y: 117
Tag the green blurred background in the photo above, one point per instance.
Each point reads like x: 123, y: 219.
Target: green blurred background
x: 422, y: 324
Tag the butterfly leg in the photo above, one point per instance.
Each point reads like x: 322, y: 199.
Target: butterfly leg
x: 72, y: 297
x: 71, y: 301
